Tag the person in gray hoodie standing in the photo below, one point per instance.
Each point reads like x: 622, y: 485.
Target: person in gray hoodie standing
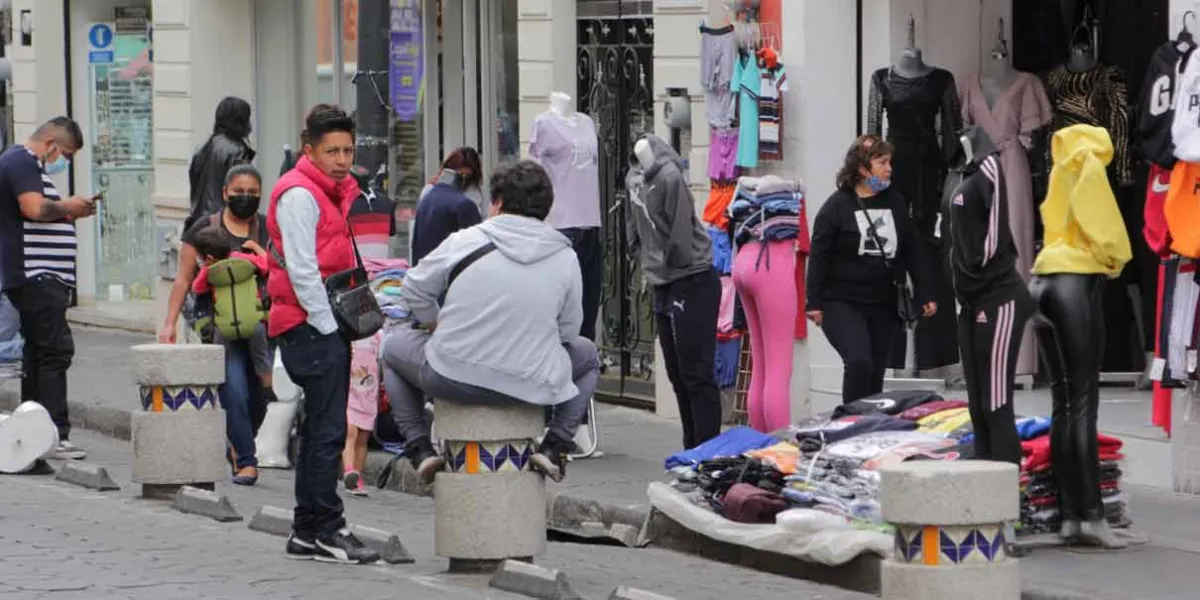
x: 676, y: 257
x: 507, y: 330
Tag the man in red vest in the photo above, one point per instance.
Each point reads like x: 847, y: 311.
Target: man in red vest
x: 306, y: 222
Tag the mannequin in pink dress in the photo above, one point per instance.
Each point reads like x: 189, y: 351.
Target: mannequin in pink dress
x: 1010, y: 105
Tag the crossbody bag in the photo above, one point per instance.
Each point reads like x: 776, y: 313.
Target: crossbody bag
x: 353, y: 302
x: 904, y: 297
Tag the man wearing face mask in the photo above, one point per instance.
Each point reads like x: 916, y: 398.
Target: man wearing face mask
x: 37, y: 249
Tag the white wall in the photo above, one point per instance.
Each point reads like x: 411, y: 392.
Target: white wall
x: 545, y: 58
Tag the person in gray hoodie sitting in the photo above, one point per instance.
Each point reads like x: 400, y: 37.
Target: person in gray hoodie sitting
x: 676, y: 258
x: 507, y: 331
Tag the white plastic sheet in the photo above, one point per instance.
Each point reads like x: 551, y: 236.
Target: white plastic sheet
x: 806, y: 534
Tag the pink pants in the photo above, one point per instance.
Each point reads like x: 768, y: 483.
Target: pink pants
x: 765, y: 278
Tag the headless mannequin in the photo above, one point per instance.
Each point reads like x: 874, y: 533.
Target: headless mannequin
x: 998, y: 73
x: 912, y: 60
x: 644, y: 154
x: 560, y: 106
x: 1084, y: 56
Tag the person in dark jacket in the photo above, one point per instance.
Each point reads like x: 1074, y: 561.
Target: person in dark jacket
x: 445, y: 207
x: 225, y: 148
x: 862, y: 244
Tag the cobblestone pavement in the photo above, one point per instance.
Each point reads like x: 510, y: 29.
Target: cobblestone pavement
x: 62, y: 542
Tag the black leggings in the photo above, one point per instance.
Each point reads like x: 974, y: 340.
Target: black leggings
x: 862, y: 334
x: 989, y: 334
x: 1070, y: 331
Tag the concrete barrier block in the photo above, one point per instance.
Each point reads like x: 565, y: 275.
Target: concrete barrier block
x: 272, y: 520
x: 87, y: 475
x: 934, y: 492
x: 628, y: 593
x: 178, y: 364
x: 195, y: 501
x: 388, y: 545
x: 532, y: 581
x: 457, y: 422
x: 994, y: 581
x: 490, y: 516
x: 178, y: 448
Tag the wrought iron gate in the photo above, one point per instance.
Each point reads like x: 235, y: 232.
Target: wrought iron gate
x: 615, y: 71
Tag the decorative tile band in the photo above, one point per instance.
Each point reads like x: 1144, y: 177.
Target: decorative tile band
x: 488, y: 457
x: 173, y: 398
x: 933, y: 546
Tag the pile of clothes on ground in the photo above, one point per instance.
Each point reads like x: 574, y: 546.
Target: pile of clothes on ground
x: 830, y: 462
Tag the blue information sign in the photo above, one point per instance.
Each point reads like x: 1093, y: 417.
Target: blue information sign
x: 100, y: 36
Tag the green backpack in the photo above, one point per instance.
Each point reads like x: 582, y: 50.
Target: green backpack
x: 237, y: 305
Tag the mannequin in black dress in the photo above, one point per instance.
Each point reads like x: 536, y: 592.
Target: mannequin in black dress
x: 916, y: 108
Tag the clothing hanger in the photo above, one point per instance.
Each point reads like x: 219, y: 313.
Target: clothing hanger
x: 1000, y: 50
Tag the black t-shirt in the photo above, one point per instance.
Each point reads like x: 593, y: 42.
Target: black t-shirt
x: 846, y: 264
x: 29, y: 248
x: 258, y: 232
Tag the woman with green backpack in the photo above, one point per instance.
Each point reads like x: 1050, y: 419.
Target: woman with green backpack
x: 231, y: 311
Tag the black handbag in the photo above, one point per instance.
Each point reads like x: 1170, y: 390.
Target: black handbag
x: 904, y: 297
x: 353, y: 303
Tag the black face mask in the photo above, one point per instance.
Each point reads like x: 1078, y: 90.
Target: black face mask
x: 244, y: 206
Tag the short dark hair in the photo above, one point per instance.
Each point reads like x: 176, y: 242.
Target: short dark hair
x: 64, y: 129
x: 212, y: 242
x: 523, y: 189
x: 465, y: 157
x: 864, y: 150
x: 323, y: 119
x: 243, y: 169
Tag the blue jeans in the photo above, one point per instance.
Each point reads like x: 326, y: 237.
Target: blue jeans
x: 319, y: 365
x: 242, y: 399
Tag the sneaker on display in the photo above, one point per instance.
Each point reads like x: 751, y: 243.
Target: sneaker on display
x: 343, y: 547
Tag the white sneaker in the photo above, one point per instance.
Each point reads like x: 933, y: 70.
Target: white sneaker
x: 68, y: 451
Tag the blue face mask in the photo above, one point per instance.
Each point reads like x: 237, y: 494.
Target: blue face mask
x: 58, y: 166
x: 876, y: 184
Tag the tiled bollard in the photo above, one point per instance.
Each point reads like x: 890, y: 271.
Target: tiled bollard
x: 178, y: 432
x: 490, y: 505
x: 949, y: 518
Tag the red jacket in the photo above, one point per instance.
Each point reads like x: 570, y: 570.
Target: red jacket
x: 334, y: 250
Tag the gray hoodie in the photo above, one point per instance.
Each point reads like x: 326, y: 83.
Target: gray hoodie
x: 507, y: 316
x: 661, y: 219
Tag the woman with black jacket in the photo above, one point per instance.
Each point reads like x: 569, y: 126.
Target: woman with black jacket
x: 225, y: 148
x: 863, y: 246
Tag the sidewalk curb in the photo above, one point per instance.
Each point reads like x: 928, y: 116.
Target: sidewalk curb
x: 88, y: 316
x: 92, y: 477
x: 204, y: 503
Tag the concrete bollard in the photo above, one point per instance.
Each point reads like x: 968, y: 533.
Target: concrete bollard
x: 949, y: 518
x: 178, y: 434
x: 489, y: 503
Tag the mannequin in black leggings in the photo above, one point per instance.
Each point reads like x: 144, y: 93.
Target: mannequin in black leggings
x: 1070, y: 331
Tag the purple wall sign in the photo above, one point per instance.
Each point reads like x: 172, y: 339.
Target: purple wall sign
x: 407, y: 64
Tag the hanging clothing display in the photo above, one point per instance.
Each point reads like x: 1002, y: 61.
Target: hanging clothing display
x: 1181, y: 210
x: 1156, y: 104
x: 770, y: 105
x: 1155, y: 229
x: 1094, y: 97
x: 920, y: 117
x: 718, y: 51
x: 1011, y: 122
x: 750, y: 78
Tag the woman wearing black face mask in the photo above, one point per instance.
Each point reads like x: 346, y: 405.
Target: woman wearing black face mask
x: 248, y: 363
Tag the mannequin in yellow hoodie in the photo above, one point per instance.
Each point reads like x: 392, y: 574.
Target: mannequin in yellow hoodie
x: 1085, y: 243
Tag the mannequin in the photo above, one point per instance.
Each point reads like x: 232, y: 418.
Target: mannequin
x: 565, y: 142
x: 765, y: 219
x: 921, y: 108
x: 912, y: 60
x: 1010, y: 106
x: 1067, y: 287
x: 675, y: 254
x: 994, y: 301
x: 1084, y: 55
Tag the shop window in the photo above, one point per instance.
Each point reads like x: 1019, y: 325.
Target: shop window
x: 505, y: 84
x: 332, y: 37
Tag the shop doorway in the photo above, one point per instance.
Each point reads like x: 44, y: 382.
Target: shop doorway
x: 615, y: 88
x: 120, y: 85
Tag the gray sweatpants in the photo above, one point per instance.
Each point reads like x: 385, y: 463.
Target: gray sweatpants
x: 408, y: 379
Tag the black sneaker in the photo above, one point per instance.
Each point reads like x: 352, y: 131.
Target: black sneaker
x: 343, y: 547
x: 300, y: 549
x: 425, y: 461
x: 552, y: 457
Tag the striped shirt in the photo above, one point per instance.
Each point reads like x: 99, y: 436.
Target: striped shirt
x: 29, y: 248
